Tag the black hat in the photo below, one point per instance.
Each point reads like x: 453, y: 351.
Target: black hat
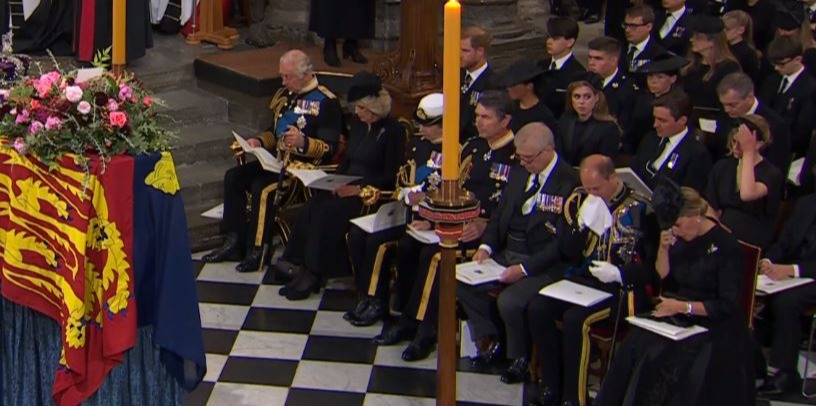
x: 705, y: 24
x: 523, y: 71
x: 664, y: 63
x: 667, y: 200
x: 430, y: 109
x: 787, y: 19
x: 364, y: 84
x: 592, y: 78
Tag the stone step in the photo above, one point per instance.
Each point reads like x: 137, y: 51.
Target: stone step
x: 203, y: 181
x: 207, y: 142
x: 204, y: 232
x: 192, y: 106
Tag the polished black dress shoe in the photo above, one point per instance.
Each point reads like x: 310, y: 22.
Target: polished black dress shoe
x: 519, y: 371
x: 376, y: 311
x: 546, y: 397
x: 354, y: 314
x: 394, y: 334
x: 490, y: 356
x: 231, y: 250
x: 418, y: 349
x: 781, y: 382
x: 305, y: 284
x: 351, y: 50
x: 252, y: 261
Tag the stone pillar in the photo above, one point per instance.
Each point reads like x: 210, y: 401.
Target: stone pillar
x: 513, y: 37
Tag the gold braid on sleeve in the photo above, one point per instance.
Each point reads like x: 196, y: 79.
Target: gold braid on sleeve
x: 317, y: 148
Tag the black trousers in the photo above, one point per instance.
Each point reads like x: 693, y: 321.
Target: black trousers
x: 564, y: 354
x: 318, y: 240
x: 239, y: 180
x: 371, y: 258
x: 593, y: 7
x: 787, y: 308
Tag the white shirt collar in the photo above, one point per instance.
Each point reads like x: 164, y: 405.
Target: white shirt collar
x: 792, y: 77
x: 812, y: 8
x: 677, y: 14
x: 474, y: 75
x: 674, y: 141
x: 561, y: 61
x: 609, y: 78
x: 642, y: 45
x: 676, y: 138
x: 754, y: 107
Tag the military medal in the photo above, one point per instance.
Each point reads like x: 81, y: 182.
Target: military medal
x: 301, y: 122
x: 434, y: 180
x: 435, y: 161
x: 551, y: 203
x: 500, y: 172
x: 488, y: 155
x: 673, y: 160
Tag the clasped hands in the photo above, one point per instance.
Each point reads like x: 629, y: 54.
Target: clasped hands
x: 293, y: 138
x: 669, y: 307
x: 776, y: 271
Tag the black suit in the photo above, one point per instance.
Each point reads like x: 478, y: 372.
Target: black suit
x: 688, y: 164
x: 620, y: 95
x: 652, y: 50
x: 677, y: 39
x: 543, y: 225
x: 577, y: 140
x: 778, y: 153
x: 796, y: 245
x: 552, y: 87
x: 468, y: 100
x: 795, y: 106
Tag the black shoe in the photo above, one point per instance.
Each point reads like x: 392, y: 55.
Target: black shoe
x: 354, y: 314
x: 419, y: 349
x: 305, y: 284
x: 351, y: 50
x: 546, y: 397
x: 330, y: 53
x: 782, y: 382
x: 231, y: 250
x: 252, y: 261
x: 395, y: 333
x: 592, y: 19
x: 490, y: 356
x: 519, y: 371
x: 285, y: 271
x: 376, y: 311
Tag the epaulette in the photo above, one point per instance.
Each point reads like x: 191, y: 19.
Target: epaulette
x: 640, y: 197
x: 325, y: 90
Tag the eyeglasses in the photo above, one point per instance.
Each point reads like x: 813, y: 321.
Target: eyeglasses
x: 529, y: 158
x: 782, y: 62
x: 633, y: 25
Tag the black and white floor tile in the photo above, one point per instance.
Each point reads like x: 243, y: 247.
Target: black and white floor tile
x: 263, y: 350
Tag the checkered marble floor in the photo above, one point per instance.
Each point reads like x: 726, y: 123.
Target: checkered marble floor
x: 263, y: 350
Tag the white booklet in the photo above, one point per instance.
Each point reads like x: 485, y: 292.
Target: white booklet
x: 667, y: 330
x: 630, y: 178
x: 708, y: 125
x: 317, y: 179
x: 423, y: 236
x: 389, y: 215
x: 267, y: 160
x: 474, y: 273
x: 768, y: 286
x: 795, y: 170
x: 216, y: 212
x: 575, y: 293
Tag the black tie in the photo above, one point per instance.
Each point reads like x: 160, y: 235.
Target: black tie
x: 529, y: 196
x: 664, y: 142
x: 630, y: 57
x: 784, y: 85
x: 466, y: 84
x: 553, y: 66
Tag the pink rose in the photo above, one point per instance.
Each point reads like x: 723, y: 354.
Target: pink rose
x: 113, y: 105
x: 13, y: 112
x: 22, y: 117
x: 20, y: 146
x: 73, y: 93
x: 118, y: 119
x: 148, y: 101
x: 53, y: 76
x: 43, y: 88
x: 35, y: 127
x: 125, y: 92
x: 84, y: 107
x: 53, y: 123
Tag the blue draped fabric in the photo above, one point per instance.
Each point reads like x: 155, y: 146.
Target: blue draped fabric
x: 30, y: 345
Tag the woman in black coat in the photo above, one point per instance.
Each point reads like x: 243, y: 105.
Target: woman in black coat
x: 349, y: 19
x: 586, y: 127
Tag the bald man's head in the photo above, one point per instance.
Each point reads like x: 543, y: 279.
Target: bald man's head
x: 296, y: 70
x: 598, y: 176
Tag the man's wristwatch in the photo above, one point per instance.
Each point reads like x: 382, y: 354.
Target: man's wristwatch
x: 689, y: 308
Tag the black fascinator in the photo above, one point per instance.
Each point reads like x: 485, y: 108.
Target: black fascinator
x: 667, y: 200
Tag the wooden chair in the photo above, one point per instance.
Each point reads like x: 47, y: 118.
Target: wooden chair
x: 751, y: 257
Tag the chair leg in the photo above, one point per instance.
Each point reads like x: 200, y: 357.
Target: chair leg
x: 809, y: 352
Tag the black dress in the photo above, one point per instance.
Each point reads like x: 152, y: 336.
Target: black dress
x: 747, y: 58
x: 538, y: 113
x: 702, y: 91
x: 712, y: 368
x: 578, y: 139
x: 752, y: 222
x: 318, y: 238
x: 352, y: 19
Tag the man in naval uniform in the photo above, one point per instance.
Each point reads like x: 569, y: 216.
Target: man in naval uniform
x: 307, y: 125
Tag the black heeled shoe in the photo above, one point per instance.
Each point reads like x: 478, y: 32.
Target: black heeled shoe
x: 330, y: 53
x: 306, y: 284
x: 231, y: 250
x: 252, y: 261
x: 351, y: 50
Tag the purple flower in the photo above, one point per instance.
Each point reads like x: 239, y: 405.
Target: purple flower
x: 22, y: 117
x: 84, y: 107
x: 113, y: 105
x: 20, y: 146
x: 35, y: 127
x: 125, y: 92
x: 53, y: 123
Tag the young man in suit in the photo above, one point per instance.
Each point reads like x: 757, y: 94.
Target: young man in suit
x: 736, y: 94
x: 561, y: 67
x: 640, y: 47
x: 794, y: 255
x: 670, y: 28
x: 521, y: 235
x: 476, y: 77
x: 672, y: 150
x: 619, y: 90
x: 790, y: 91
